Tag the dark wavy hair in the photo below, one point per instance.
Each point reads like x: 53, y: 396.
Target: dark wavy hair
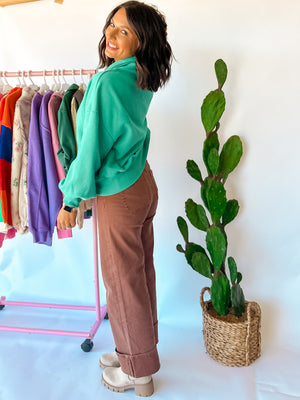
x: 154, y: 54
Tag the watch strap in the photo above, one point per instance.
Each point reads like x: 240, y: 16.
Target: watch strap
x: 67, y: 208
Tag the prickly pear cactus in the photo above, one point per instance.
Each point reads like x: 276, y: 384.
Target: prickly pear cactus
x: 217, y: 211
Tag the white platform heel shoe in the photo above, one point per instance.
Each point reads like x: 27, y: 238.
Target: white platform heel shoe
x: 116, y: 380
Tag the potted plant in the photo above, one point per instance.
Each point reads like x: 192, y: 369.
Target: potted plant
x: 227, y: 315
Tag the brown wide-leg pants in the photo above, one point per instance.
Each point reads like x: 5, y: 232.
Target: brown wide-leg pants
x: 126, y: 251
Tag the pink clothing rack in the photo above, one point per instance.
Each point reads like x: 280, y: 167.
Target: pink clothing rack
x: 54, y: 72
x: 100, y: 311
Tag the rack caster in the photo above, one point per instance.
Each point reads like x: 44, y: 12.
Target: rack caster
x: 2, y: 306
x: 106, y: 316
x: 87, y: 345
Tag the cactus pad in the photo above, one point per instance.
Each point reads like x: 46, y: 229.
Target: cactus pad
x: 216, y: 246
x: 211, y: 142
x: 202, y: 264
x: 182, y: 225
x: 231, y: 211
x: 232, y: 269
x: 221, y: 72
x: 192, y: 248
x: 237, y: 300
x: 230, y: 155
x: 212, y: 109
x: 193, y: 170
x: 196, y: 214
x: 216, y: 199
x: 220, y: 293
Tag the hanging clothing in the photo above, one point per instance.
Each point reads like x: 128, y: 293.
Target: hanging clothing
x: 6, y: 154
x: 75, y: 103
x: 54, y: 195
x: 67, y: 139
x: 85, y: 206
x: 53, y: 107
x: 38, y: 220
x: 67, y: 150
x: 30, y: 168
x: 11, y: 233
x: 19, y: 203
x: 6, y: 232
x: 44, y: 197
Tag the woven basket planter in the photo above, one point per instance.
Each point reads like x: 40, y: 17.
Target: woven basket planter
x: 235, y: 344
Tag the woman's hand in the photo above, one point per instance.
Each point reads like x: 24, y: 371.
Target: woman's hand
x: 65, y: 219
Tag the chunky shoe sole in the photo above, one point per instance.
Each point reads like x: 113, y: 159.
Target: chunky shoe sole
x: 145, y: 390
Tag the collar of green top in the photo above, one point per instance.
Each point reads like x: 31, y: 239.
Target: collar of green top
x: 120, y: 63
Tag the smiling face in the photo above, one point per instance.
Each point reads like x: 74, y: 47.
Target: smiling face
x: 121, y: 40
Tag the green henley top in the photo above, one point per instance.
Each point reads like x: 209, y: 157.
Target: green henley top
x: 112, y: 135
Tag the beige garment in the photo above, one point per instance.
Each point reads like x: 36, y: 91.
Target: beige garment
x: 83, y: 206
x: 19, y: 202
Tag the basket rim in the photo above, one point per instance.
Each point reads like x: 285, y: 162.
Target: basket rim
x: 249, y: 305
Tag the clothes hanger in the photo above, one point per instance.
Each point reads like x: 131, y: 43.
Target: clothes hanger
x: 23, y: 79
x: 54, y: 84
x: 59, y: 85
x: 65, y: 85
x: 83, y: 85
x: 20, y: 85
x: 23, y: 84
x: 73, y: 74
x: 7, y: 86
x: 33, y: 86
x: 44, y: 87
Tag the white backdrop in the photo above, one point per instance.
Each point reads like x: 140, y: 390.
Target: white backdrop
x: 259, y: 41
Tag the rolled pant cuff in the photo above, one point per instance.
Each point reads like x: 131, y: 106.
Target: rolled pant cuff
x: 140, y: 364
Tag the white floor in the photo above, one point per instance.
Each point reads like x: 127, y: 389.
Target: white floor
x: 42, y: 367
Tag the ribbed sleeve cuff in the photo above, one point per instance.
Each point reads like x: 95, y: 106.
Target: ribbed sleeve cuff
x: 42, y: 237
x: 63, y: 234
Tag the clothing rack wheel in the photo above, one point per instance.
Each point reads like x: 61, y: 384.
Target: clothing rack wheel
x: 87, y: 345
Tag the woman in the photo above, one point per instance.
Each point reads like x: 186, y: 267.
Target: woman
x: 113, y: 140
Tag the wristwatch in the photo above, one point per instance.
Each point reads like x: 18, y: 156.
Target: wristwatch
x: 67, y: 208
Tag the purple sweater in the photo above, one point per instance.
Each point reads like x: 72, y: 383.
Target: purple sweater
x: 44, y: 197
